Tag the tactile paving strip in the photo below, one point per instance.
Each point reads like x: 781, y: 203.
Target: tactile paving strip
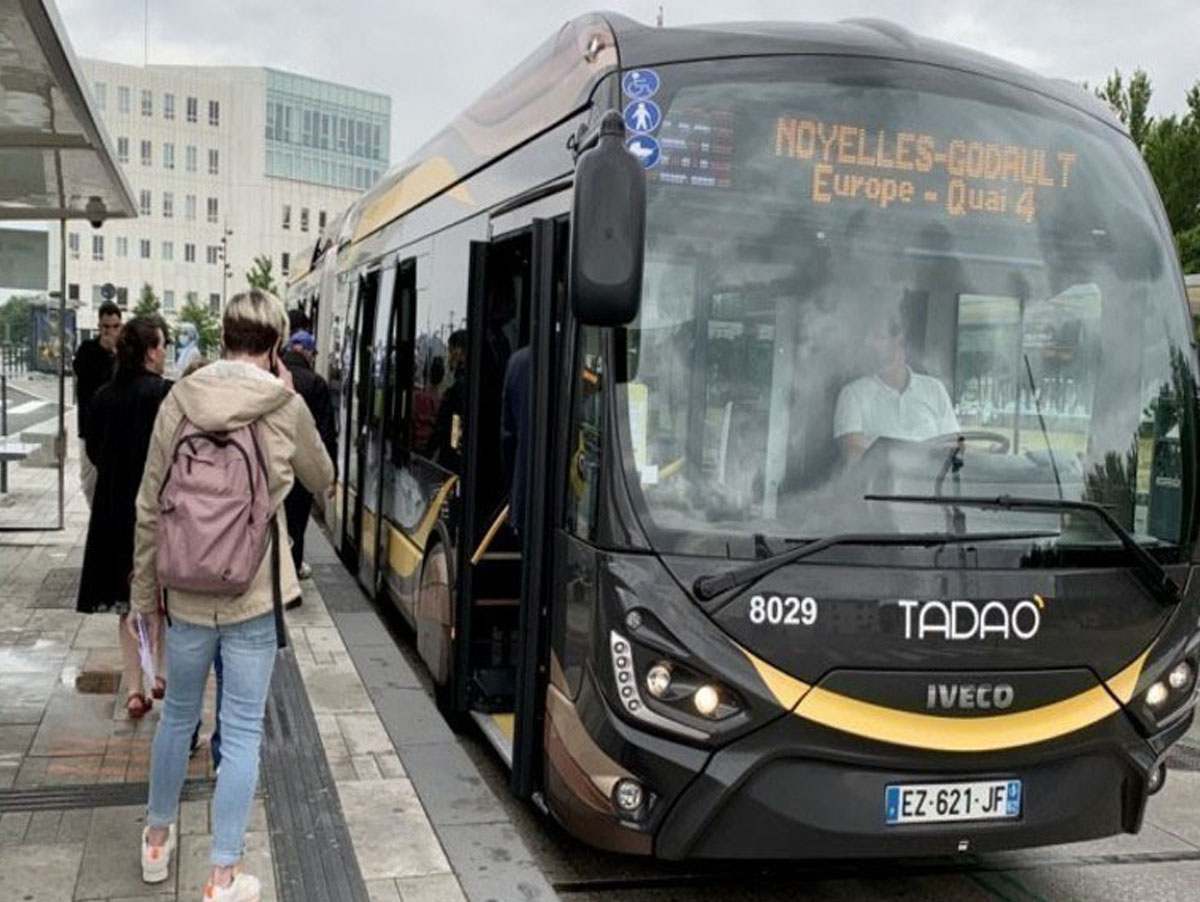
x: 310, y: 842
x: 101, y: 795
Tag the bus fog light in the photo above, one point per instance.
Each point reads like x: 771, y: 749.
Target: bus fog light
x: 628, y: 795
x: 1180, y: 675
x: 1156, y: 695
x: 707, y: 700
x: 658, y: 680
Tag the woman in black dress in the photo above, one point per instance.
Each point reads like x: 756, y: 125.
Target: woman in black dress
x: 121, y: 421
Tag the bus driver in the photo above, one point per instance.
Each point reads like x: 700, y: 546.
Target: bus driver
x: 894, y: 402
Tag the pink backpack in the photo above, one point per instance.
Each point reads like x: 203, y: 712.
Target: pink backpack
x: 215, y: 515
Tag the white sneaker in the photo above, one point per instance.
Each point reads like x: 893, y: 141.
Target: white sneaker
x: 156, y: 860
x: 243, y: 889
x: 305, y: 571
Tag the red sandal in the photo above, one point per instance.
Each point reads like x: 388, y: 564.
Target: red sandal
x: 160, y: 688
x: 141, y: 708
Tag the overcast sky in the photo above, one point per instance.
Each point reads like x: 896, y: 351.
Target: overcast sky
x: 434, y: 57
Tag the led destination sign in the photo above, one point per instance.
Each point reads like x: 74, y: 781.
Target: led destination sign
x: 885, y: 168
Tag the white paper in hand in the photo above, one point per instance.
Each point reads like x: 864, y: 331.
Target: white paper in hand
x: 144, y: 650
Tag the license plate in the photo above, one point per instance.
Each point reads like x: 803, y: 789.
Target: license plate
x: 939, y: 803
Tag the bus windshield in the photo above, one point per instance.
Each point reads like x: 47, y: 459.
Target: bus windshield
x: 879, y: 277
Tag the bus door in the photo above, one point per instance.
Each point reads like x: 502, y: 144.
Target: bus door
x: 498, y: 649
x: 359, y: 394
x: 373, y: 416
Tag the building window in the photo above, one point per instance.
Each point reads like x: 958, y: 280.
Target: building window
x: 168, y: 156
x: 168, y: 106
x: 189, y: 253
x: 122, y: 246
x: 147, y: 103
x: 100, y: 90
x: 191, y: 158
x: 214, y: 161
x: 214, y: 112
x: 168, y: 299
x: 122, y: 296
x: 97, y: 299
x: 144, y: 202
x: 284, y: 261
x: 168, y: 251
x: 147, y: 153
x: 168, y: 204
x: 193, y: 107
x: 321, y: 221
x: 214, y: 302
x: 98, y: 248
x: 123, y: 98
x: 189, y: 208
x: 73, y: 291
x: 304, y: 219
x: 212, y: 254
x: 73, y: 245
x: 212, y: 209
x: 287, y: 216
x: 144, y: 248
x: 190, y: 297
x: 122, y: 150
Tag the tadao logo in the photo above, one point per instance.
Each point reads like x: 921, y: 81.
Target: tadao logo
x: 964, y: 621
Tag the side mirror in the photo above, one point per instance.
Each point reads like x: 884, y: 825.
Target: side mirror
x: 608, y: 227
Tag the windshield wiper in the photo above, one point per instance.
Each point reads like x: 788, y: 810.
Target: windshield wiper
x: 707, y: 587
x: 1150, y: 572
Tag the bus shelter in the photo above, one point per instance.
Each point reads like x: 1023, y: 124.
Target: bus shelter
x: 56, y: 164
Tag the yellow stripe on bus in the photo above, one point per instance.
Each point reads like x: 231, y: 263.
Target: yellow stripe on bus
x: 951, y: 734
x: 407, y: 549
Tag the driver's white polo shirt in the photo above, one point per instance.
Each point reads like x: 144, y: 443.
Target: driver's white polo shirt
x: 872, y: 407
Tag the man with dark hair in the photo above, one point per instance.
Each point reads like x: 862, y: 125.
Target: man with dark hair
x: 298, y: 357
x: 448, y: 430
x: 93, y: 366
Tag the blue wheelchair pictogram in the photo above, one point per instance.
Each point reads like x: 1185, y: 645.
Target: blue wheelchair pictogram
x: 642, y: 116
x: 640, y: 84
x: 645, y: 148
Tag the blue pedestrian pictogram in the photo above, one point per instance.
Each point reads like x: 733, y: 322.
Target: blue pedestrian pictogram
x: 645, y: 148
x: 640, y: 84
x: 642, y: 116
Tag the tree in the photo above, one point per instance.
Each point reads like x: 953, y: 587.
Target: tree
x: 207, y: 323
x: 16, y: 319
x: 147, y: 302
x: 260, y: 276
x: 1130, y: 102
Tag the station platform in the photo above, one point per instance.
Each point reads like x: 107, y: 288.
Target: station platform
x: 365, y: 795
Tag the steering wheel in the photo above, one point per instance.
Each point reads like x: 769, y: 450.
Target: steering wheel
x: 1000, y: 443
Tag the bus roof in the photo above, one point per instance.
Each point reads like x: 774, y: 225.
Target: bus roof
x: 558, y: 78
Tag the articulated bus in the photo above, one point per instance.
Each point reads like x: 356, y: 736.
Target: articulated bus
x: 852, y: 436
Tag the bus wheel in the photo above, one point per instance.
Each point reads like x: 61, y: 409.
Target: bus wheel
x: 434, y: 621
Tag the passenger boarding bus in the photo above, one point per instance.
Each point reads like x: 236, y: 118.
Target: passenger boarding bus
x: 853, y: 436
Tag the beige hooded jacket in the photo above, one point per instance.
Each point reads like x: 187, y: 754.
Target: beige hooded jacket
x: 220, y: 397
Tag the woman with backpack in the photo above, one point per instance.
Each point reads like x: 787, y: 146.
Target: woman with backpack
x: 229, y: 443
x: 120, y: 422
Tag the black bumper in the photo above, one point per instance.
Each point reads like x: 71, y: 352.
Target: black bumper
x: 795, y: 791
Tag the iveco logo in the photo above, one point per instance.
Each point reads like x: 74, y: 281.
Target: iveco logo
x: 962, y: 621
x: 969, y: 696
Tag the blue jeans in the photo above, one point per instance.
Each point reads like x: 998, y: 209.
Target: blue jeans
x: 247, y: 658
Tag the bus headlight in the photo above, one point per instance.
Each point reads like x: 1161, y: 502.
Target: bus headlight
x: 707, y: 700
x: 1157, y: 694
x: 1180, y: 676
x: 658, y: 680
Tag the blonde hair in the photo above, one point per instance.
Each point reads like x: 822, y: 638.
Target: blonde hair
x: 255, y: 322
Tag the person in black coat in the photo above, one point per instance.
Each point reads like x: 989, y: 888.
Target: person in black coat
x: 118, y: 439
x: 302, y: 350
x: 93, y: 366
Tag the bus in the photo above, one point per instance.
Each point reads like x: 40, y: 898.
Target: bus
x: 850, y: 427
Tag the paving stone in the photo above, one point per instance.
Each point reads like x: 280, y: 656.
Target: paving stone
x: 363, y: 629
x: 325, y: 640
x: 433, y: 888
x: 383, y: 891
x: 43, y: 827
x: 13, y: 825
x: 491, y: 863
x: 193, y: 818
x: 335, y: 690
x: 111, y: 866
x: 24, y: 696
x: 390, y: 766
x: 74, y: 725
x: 364, y: 734
x: 365, y: 767
x: 392, y: 837
x: 15, y: 741
x: 8, y: 774
x: 98, y: 631
x: 383, y: 668
x: 43, y: 873
x: 452, y: 790
x: 341, y: 768
x: 75, y: 825
x: 410, y: 717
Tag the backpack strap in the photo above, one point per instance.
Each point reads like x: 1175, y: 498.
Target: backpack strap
x: 276, y: 589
